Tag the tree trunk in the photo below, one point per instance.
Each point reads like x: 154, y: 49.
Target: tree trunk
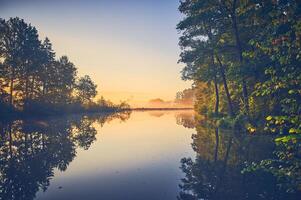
x: 26, y: 143
x: 227, y: 152
x: 216, y: 145
x: 245, y: 96
x: 216, y: 96
x: 222, y: 71
x: 26, y: 91
x: 222, y: 171
x: 44, y: 88
x: 239, y: 51
x: 215, y: 85
x: 10, y: 140
x: 32, y: 87
x: 26, y: 88
x: 11, y: 100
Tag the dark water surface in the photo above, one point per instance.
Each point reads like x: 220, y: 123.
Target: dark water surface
x: 155, y: 155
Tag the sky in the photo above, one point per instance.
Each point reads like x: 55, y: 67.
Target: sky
x: 128, y: 47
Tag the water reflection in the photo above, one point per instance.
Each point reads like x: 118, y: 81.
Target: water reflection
x: 186, y: 119
x: 216, y: 171
x: 135, y: 160
x: 156, y: 113
x: 30, y: 150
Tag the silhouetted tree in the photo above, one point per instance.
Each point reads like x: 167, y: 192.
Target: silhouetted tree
x: 85, y: 89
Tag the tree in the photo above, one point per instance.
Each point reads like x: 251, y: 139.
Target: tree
x: 256, y: 46
x: 200, y: 44
x: 85, y: 89
x: 30, y: 76
x: 185, y: 97
x: 13, y: 50
x: 48, y: 71
x: 63, y: 81
x: 3, y: 92
x: 20, y: 50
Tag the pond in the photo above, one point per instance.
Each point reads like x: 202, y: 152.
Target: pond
x: 149, y: 155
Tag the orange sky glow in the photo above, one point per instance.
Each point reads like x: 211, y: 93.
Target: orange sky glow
x: 129, y: 50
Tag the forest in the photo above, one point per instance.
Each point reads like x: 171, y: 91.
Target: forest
x: 34, y: 82
x: 244, y: 59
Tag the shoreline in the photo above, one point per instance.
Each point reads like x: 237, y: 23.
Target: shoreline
x: 24, y: 115
x: 146, y: 109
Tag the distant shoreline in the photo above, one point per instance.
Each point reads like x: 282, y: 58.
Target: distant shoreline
x: 146, y: 109
x: 22, y: 115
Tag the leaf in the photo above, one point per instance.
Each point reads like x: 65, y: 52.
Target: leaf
x: 269, y: 118
x: 294, y: 130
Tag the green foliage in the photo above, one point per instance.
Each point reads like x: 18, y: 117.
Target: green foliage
x: 286, y: 164
x: 256, y: 48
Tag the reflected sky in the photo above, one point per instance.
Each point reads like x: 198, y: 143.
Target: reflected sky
x: 137, y: 159
x: 161, y: 155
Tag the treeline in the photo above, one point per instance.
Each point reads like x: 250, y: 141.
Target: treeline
x: 245, y: 58
x: 33, y: 81
x: 185, y: 97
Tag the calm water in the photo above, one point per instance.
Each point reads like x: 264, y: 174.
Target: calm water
x: 134, y: 156
x: 156, y: 155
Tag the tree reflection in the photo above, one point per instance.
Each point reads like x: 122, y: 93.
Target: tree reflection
x: 185, y: 119
x: 30, y: 150
x: 84, y: 134
x: 156, y: 113
x: 221, y: 156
